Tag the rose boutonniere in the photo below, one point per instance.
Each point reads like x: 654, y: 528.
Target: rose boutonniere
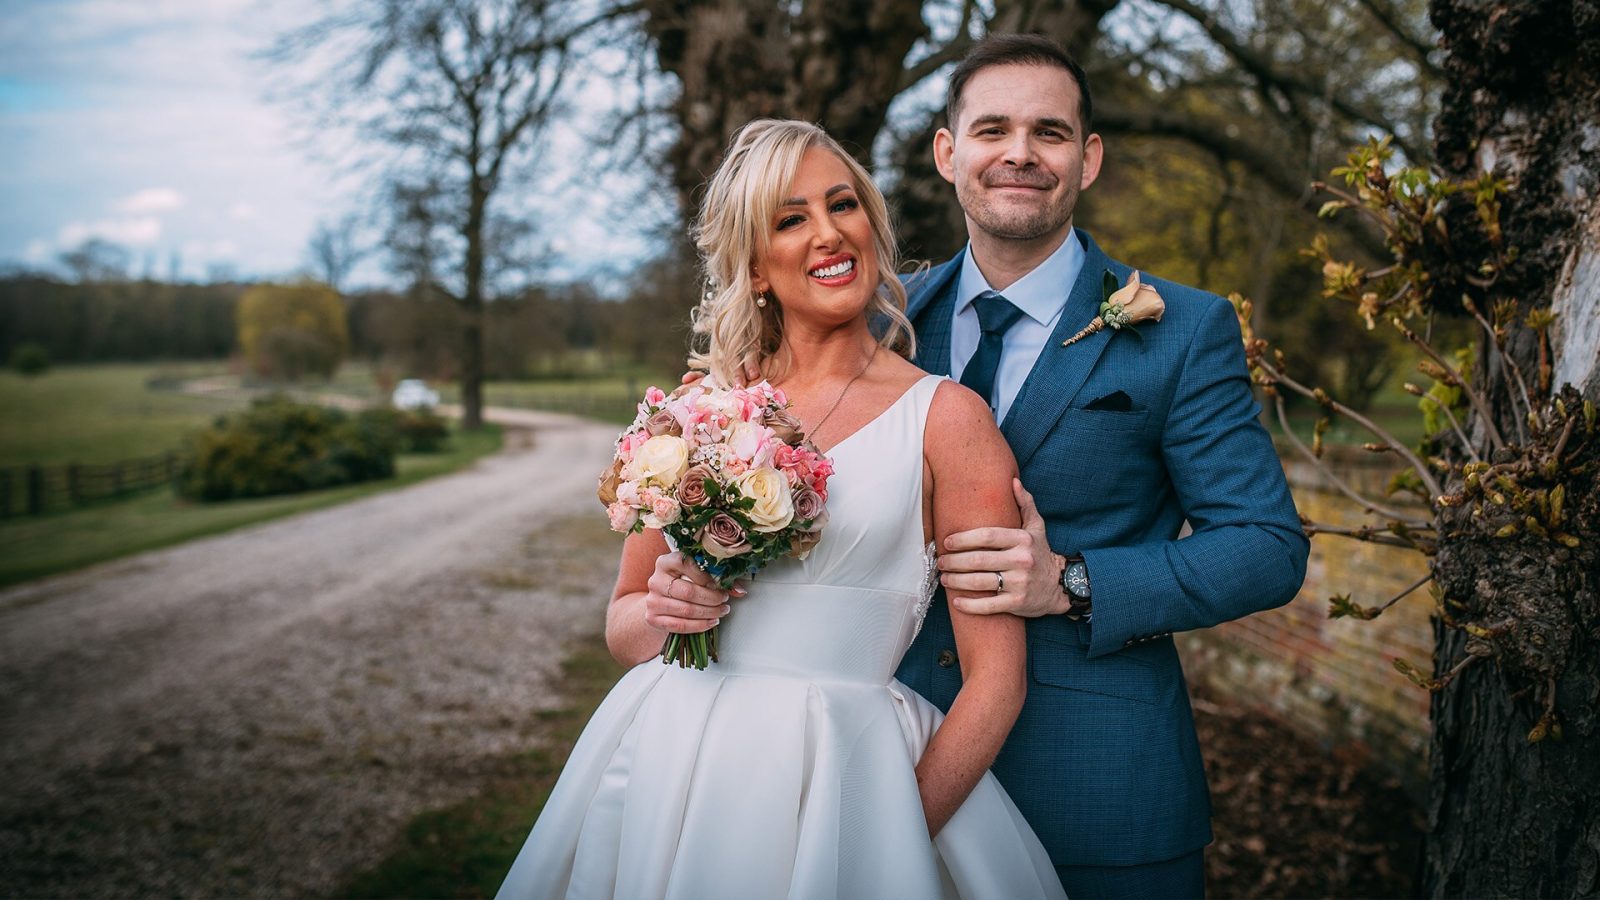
x: 1122, y: 307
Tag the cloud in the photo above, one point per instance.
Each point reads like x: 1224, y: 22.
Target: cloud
x: 133, y: 231
x: 37, y: 252
x: 151, y: 200
x: 242, y: 212
x: 210, y: 250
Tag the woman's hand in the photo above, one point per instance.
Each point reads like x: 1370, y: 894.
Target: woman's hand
x: 682, y: 598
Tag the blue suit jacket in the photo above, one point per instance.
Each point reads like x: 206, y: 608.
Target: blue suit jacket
x: 1103, y: 760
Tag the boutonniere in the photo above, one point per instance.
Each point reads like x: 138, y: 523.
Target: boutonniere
x: 1122, y: 307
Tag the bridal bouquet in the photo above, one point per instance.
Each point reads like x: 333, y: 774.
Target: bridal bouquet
x: 728, y: 476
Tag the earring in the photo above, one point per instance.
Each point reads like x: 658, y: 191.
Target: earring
x: 761, y: 301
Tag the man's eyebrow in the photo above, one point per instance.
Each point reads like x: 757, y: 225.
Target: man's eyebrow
x: 801, y: 201
x: 1046, y: 122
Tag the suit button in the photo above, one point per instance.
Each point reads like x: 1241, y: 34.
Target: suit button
x: 947, y: 658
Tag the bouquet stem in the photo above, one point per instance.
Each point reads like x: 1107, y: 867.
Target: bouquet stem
x: 690, y: 650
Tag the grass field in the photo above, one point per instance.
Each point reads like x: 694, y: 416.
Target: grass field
x: 100, y: 414
x: 609, y: 397
x: 104, y: 413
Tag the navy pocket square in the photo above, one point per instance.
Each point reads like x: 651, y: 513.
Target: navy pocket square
x: 1116, y: 401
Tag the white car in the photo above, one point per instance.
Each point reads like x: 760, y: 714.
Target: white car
x: 414, y: 393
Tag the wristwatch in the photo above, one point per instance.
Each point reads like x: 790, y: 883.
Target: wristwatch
x: 1075, y: 582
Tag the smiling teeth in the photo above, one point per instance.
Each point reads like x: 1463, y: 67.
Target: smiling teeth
x: 835, y: 270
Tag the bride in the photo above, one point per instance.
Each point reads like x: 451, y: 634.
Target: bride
x: 796, y: 766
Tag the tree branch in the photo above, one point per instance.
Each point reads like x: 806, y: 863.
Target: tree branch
x: 1434, y: 491
x: 1327, y: 472
x: 1287, y: 83
x: 1214, y: 139
x: 1390, y: 20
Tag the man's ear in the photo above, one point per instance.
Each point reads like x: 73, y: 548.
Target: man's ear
x: 944, y: 150
x: 1093, y: 153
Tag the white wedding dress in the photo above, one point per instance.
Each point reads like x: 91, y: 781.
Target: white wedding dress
x: 786, y: 769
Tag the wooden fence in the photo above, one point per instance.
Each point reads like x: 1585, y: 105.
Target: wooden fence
x: 35, y: 490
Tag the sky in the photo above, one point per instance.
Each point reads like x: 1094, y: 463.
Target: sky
x: 149, y: 124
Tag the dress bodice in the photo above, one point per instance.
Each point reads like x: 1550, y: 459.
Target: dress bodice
x: 849, y: 610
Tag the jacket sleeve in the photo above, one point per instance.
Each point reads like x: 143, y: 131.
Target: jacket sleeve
x: 1246, y: 551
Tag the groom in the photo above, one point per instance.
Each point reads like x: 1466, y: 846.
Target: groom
x: 1121, y: 439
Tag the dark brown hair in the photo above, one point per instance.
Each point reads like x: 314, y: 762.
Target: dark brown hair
x: 1018, y: 50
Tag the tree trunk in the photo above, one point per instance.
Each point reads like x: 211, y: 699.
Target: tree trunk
x: 472, y: 307
x: 833, y: 62
x: 1510, y: 816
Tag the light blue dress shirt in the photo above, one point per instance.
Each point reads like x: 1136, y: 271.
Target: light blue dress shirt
x: 1040, y: 294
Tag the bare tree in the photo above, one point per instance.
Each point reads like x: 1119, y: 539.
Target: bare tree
x: 97, y: 259
x: 459, y: 92
x: 334, y: 251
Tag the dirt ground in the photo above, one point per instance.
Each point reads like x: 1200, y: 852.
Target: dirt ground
x: 1293, y: 820
x: 260, y: 713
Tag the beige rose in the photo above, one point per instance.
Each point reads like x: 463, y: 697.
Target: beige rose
x: 1139, y: 303
x: 784, y: 424
x: 768, y: 487
x: 723, y: 537
x: 659, y: 461
x: 803, y: 544
x: 692, y: 488
x: 609, y: 479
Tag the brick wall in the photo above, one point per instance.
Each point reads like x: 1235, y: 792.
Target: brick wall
x: 1333, y: 678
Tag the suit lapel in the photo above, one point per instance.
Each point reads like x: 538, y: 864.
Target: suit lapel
x: 931, y: 294
x: 1061, y: 371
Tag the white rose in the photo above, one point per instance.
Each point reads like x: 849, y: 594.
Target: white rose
x: 660, y: 461
x: 768, y: 487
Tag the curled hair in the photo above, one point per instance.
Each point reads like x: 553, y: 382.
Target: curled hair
x: 735, y: 226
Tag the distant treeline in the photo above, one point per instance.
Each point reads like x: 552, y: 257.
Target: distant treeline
x: 539, y: 332
x: 117, y: 321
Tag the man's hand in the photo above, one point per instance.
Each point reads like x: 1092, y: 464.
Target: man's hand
x: 682, y: 598
x: 1021, y: 557
x: 752, y: 374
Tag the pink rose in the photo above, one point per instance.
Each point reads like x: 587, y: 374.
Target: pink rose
x: 663, y: 512
x: 622, y: 516
x: 654, y: 396
x: 723, y: 537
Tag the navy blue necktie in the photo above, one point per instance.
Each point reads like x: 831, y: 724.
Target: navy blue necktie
x: 996, y: 315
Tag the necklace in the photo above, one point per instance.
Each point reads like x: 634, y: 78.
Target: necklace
x: 839, y: 399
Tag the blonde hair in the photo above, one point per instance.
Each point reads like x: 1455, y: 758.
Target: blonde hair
x: 735, y: 224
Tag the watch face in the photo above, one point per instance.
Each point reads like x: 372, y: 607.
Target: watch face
x: 1077, y: 580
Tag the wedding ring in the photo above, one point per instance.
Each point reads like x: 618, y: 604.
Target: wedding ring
x: 999, y: 583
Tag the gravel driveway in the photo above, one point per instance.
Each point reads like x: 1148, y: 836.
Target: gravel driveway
x: 259, y: 713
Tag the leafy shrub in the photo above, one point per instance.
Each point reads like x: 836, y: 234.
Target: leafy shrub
x: 30, y: 359
x: 279, y: 446
x: 420, y: 430
x: 293, y: 331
